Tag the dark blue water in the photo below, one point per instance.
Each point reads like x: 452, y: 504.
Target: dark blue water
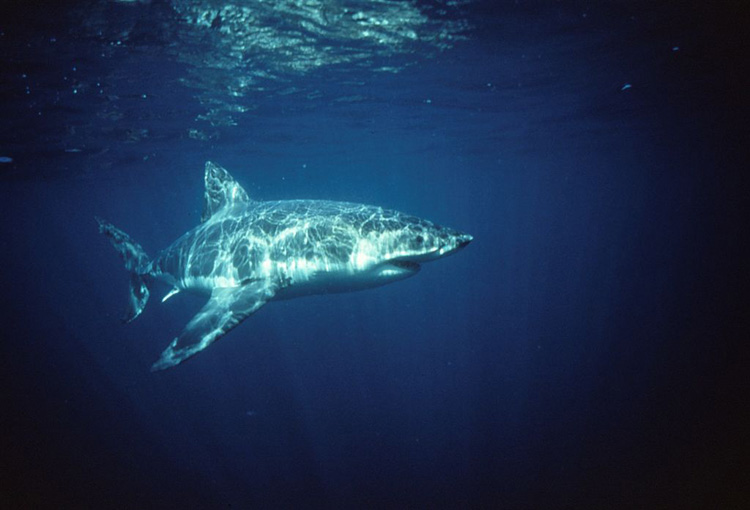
x: 585, y: 351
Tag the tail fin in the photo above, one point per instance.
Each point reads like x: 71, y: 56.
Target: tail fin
x: 136, y: 261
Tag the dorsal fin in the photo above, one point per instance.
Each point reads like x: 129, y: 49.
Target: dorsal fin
x: 221, y: 190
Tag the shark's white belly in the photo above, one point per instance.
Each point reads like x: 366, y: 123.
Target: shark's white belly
x: 297, y: 276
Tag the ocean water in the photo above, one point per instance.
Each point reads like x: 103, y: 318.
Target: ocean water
x: 585, y: 351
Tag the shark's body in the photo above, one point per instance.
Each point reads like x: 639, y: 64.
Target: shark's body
x: 246, y: 252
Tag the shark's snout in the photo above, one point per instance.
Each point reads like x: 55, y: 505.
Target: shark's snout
x: 453, y: 243
x: 464, y: 239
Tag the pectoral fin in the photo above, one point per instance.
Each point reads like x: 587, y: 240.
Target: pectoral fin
x: 226, y: 308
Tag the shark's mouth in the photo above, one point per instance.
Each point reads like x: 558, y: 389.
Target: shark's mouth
x: 406, y: 265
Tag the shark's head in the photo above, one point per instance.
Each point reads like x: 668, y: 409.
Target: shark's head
x: 404, y: 242
x: 417, y: 240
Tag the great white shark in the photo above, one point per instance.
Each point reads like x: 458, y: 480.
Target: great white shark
x: 247, y: 252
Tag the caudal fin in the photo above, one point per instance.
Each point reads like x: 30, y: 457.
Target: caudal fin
x: 136, y: 261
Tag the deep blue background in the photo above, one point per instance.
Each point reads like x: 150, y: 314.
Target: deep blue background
x: 586, y: 350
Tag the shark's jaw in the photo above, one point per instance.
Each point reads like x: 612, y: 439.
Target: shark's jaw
x: 397, y: 269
